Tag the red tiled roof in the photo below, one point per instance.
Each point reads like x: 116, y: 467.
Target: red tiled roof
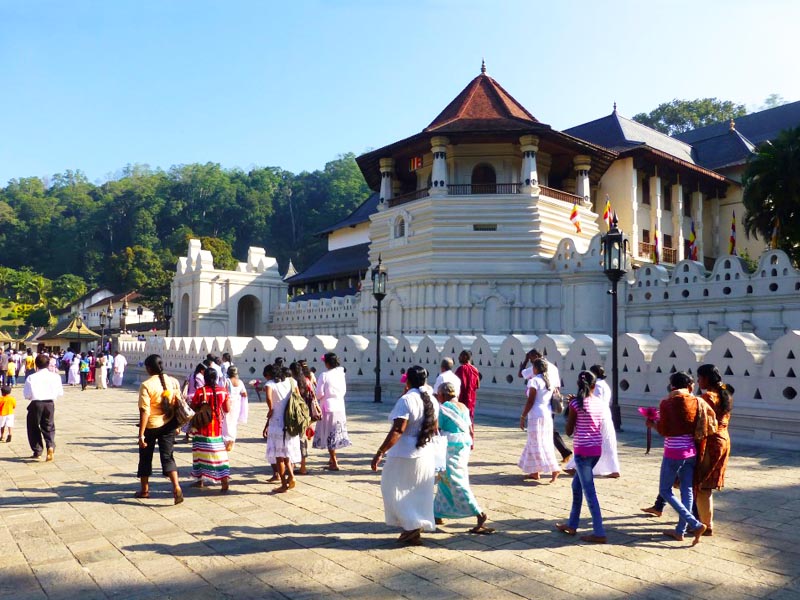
x: 482, y: 105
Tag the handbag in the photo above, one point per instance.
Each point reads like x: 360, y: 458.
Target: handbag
x: 439, y: 452
x: 556, y: 403
x: 202, y: 416
x: 183, y: 412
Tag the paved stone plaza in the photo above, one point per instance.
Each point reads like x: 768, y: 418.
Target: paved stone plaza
x: 72, y: 528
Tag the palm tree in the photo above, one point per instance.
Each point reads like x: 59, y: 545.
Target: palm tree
x: 772, y: 192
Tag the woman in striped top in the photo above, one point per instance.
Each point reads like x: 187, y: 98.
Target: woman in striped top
x: 585, y: 424
x: 676, y: 422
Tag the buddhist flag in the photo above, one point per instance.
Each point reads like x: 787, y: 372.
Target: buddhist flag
x: 732, y: 241
x: 656, y: 250
x: 692, y: 243
x: 608, y: 213
x: 775, y: 233
x: 575, y: 218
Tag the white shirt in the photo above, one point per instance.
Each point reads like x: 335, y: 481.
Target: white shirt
x: 448, y: 377
x: 552, y: 374
x: 603, y: 391
x: 411, y: 408
x: 120, y: 362
x: 541, y: 404
x: 331, y: 389
x: 43, y: 385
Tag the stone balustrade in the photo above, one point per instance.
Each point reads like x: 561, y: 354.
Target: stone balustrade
x: 765, y: 375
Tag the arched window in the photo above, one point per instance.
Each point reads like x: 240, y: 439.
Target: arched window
x: 484, y: 179
x: 400, y: 228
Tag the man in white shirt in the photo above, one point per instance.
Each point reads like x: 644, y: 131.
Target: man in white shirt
x: 447, y: 376
x: 42, y: 388
x: 120, y: 362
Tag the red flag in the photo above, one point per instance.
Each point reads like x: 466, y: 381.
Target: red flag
x: 575, y: 217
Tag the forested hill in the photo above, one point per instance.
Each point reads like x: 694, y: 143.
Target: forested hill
x: 128, y: 233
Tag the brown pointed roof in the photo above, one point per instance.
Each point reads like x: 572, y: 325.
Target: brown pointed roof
x: 482, y: 105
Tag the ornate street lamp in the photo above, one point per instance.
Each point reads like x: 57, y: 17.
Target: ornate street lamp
x: 168, y: 305
x: 123, y: 315
x: 615, y: 265
x: 102, y: 330
x: 109, y: 318
x: 379, y: 277
x: 140, y: 311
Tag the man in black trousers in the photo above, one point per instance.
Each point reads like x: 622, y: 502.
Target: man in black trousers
x: 42, y: 388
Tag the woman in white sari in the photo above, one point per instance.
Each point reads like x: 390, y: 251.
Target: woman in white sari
x: 407, y: 481
x: 74, y: 377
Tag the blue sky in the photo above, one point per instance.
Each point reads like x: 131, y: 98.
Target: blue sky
x: 95, y: 85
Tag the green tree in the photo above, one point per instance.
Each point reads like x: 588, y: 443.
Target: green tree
x: 771, y: 184
x: 772, y: 101
x: 221, y: 252
x: 39, y: 317
x: 65, y: 289
x: 683, y: 115
x: 138, y: 268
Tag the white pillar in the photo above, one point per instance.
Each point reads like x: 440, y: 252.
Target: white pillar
x: 582, y: 165
x: 387, y: 174
x: 655, y: 211
x: 697, y: 206
x: 439, y: 174
x: 529, y: 177
x: 677, y: 219
x: 635, y: 213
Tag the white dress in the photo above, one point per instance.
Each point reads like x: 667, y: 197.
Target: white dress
x: 280, y: 445
x: 408, y: 476
x: 331, y: 430
x: 539, y: 454
x: 238, y: 411
x: 74, y: 377
x: 609, y: 459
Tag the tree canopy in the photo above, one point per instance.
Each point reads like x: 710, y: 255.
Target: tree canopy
x: 771, y: 197
x: 62, y: 235
x: 678, y: 116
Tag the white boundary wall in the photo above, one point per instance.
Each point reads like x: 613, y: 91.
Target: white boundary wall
x: 766, y: 376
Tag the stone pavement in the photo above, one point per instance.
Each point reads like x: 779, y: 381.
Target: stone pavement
x: 72, y: 529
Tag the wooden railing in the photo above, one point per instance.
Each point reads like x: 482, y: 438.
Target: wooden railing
x: 468, y: 189
x: 559, y: 195
x: 668, y: 255
x: 409, y: 197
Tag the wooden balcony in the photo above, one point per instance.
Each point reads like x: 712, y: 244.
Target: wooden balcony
x: 470, y: 189
x: 481, y: 189
x: 409, y: 197
x: 668, y: 255
x: 559, y: 195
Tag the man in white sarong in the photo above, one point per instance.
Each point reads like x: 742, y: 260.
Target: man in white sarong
x: 120, y: 362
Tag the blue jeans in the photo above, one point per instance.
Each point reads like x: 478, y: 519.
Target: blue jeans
x: 683, y: 469
x: 583, y: 484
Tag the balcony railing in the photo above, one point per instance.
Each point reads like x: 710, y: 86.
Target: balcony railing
x: 468, y: 189
x: 559, y: 194
x: 668, y: 255
x: 409, y: 197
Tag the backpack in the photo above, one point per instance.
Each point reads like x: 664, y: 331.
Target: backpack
x: 296, y: 418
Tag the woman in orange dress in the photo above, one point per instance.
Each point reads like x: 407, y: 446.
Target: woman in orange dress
x: 715, y: 449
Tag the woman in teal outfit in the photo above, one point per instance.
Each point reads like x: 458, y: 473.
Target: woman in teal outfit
x: 454, y: 498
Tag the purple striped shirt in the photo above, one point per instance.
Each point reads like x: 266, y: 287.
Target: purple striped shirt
x: 679, y: 447
x: 588, y: 437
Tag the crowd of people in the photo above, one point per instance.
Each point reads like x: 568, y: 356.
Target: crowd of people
x: 425, y: 476
x: 98, y: 368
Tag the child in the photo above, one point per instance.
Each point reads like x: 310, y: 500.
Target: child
x: 7, y: 406
x: 11, y: 373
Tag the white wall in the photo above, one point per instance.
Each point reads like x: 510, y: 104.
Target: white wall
x: 349, y: 236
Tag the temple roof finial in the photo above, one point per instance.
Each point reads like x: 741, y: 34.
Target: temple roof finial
x: 483, y: 66
x: 733, y: 124
x: 615, y: 107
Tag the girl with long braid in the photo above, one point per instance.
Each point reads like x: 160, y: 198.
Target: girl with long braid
x: 157, y: 425
x: 714, y: 450
x: 209, y: 457
x: 585, y: 423
x: 407, y: 481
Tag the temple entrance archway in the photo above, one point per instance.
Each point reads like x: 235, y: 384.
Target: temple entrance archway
x: 184, y: 316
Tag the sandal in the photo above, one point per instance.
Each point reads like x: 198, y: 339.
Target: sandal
x: 594, y: 539
x: 141, y: 495
x: 178, y: 496
x: 566, y: 529
x: 410, y: 536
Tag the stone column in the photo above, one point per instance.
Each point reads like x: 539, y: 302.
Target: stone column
x: 677, y: 220
x: 387, y: 176
x: 439, y: 172
x: 697, y: 206
x: 715, y: 227
x: 635, y: 213
x: 529, y: 177
x: 655, y: 211
x: 582, y: 165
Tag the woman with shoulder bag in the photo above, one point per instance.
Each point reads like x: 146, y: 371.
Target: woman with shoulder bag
x: 156, y: 425
x: 539, y: 455
x: 209, y: 457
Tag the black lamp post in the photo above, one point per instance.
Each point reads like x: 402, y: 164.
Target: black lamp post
x: 79, y: 325
x: 139, y: 311
x: 379, y: 292
x: 109, y: 318
x: 167, y: 314
x: 102, y: 330
x: 615, y: 265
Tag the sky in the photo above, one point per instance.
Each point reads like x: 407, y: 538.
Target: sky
x: 98, y: 84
